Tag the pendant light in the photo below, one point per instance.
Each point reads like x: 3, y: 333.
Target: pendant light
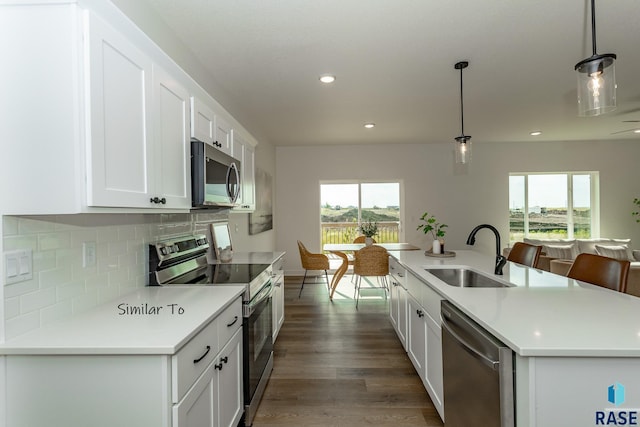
x: 596, y: 79
x: 463, y: 142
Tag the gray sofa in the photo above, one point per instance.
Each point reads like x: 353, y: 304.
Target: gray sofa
x: 558, y: 255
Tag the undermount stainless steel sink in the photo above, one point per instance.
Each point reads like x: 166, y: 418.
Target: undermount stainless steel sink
x: 465, y: 278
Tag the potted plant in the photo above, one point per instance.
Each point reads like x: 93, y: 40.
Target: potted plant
x: 437, y: 230
x: 368, y: 230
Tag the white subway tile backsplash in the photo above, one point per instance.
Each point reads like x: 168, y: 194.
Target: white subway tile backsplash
x: 11, y: 307
x: 67, y: 291
x: 10, y: 225
x: 56, y: 277
x: 61, y: 285
x: 36, y: 300
x: 23, y: 323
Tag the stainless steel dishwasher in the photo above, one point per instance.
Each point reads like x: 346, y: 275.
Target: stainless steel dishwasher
x: 477, y: 372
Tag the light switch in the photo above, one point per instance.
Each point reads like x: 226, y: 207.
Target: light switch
x: 18, y: 266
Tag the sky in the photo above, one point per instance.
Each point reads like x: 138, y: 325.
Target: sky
x: 549, y: 190
x: 373, y: 194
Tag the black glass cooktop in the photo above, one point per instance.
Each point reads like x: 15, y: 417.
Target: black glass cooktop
x: 234, y: 273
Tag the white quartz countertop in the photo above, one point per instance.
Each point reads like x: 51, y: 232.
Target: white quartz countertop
x: 253, y: 258
x: 157, y: 326
x: 542, y: 314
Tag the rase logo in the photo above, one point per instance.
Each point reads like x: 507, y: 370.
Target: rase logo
x: 615, y: 416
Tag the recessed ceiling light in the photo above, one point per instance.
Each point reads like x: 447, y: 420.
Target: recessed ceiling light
x: 327, y: 79
x: 369, y: 125
x: 636, y: 131
x: 535, y: 133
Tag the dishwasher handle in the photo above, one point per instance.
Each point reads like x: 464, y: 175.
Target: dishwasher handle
x: 493, y: 364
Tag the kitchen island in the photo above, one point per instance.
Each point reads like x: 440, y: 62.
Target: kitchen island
x: 572, y: 341
x: 157, y: 356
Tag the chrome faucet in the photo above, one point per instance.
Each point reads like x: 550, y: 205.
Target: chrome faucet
x: 500, y: 260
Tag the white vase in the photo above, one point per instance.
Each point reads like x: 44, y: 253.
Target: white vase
x: 368, y: 241
x: 435, y: 246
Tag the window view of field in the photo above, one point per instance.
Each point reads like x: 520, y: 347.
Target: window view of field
x: 549, y: 223
x: 545, y: 198
x: 345, y: 206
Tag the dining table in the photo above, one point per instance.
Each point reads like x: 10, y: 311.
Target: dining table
x: 339, y: 249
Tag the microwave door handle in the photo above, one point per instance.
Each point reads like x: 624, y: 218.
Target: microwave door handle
x: 231, y: 192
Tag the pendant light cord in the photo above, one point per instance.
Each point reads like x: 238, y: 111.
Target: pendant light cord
x: 593, y: 26
x: 461, y: 104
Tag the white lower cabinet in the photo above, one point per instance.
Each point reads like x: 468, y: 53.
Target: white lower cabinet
x: 278, y: 296
x: 215, y: 399
x: 415, y: 314
x: 398, y: 301
x: 417, y: 336
x: 201, y: 385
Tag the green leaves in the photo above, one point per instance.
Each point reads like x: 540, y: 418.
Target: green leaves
x: 369, y: 229
x: 431, y: 225
x: 636, y: 214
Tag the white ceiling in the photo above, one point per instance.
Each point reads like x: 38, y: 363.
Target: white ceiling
x: 394, y: 60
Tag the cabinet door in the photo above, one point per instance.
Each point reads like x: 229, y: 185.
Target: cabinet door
x: 244, y: 152
x: 223, y: 135
x: 433, y: 374
x: 230, y: 403
x: 172, y: 148
x: 393, y: 303
x: 118, y: 156
x: 402, y: 316
x: 196, y: 409
x: 416, y: 336
x: 202, y: 121
x: 278, y: 304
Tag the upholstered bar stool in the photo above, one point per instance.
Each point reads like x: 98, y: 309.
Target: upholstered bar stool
x: 599, y: 270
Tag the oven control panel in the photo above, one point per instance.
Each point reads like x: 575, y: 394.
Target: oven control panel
x: 178, y: 248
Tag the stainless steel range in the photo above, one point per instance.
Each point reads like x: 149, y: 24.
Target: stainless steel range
x: 183, y: 261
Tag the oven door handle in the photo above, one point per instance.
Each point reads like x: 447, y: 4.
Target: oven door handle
x: 264, y: 294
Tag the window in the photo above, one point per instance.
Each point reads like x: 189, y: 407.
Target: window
x: 559, y: 205
x: 345, y: 205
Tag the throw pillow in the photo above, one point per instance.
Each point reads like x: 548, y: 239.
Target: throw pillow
x: 621, y: 252
x: 560, y: 251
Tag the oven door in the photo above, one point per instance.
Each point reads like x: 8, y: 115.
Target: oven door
x: 258, y: 341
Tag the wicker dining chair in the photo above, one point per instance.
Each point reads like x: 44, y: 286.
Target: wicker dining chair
x: 371, y: 261
x: 312, y: 261
x: 525, y: 254
x: 351, y: 257
x: 599, y: 270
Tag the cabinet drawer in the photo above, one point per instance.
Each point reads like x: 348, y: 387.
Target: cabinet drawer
x: 431, y: 302
x: 192, y: 359
x: 229, y: 321
x: 397, y: 271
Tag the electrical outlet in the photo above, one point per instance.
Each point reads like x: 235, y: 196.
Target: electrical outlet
x: 88, y: 254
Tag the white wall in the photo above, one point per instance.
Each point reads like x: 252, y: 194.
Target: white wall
x: 460, y: 200
x: 239, y: 222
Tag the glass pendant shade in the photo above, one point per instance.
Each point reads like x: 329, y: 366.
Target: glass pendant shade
x: 596, y: 85
x: 462, y: 149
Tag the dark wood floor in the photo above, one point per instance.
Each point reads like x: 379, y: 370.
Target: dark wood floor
x: 338, y: 366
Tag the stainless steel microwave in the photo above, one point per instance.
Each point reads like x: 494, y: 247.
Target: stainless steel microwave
x: 215, y: 177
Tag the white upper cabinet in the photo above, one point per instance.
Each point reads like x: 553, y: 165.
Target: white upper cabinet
x: 203, y: 122
x: 209, y: 127
x: 119, y: 155
x: 172, y: 147
x: 138, y: 146
x: 101, y: 118
x: 244, y: 151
